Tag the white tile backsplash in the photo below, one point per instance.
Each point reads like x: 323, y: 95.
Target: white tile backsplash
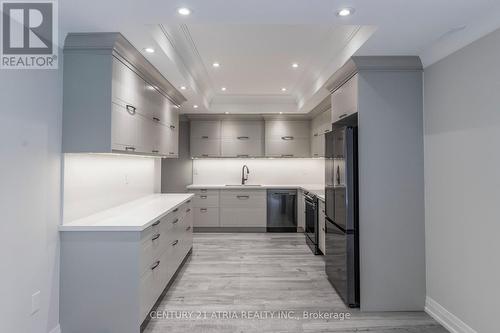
x: 262, y: 171
x: 94, y: 182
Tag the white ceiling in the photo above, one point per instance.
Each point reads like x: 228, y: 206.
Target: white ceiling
x: 256, y: 40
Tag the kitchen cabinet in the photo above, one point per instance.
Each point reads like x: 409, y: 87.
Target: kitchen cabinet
x: 205, y: 138
x: 243, y: 208
x: 114, y: 100
x: 287, y: 138
x: 345, y: 99
x: 320, y: 125
x: 124, y: 270
x: 321, y: 226
x: 242, y: 138
x: 206, y: 208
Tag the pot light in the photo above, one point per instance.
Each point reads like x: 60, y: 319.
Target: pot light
x: 295, y: 65
x: 184, y: 11
x: 281, y: 112
x: 183, y: 87
x: 195, y: 106
x: 216, y: 65
x: 345, y: 12
x: 283, y: 89
x: 223, y: 88
x: 149, y: 50
x: 226, y: 112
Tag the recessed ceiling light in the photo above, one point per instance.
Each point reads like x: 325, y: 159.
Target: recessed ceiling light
x: 223, y: 88
x: 283, y: 89
x: 345, y: 12
x: 226, y: 112
x: 295, y: 65
x: 216, y: 65
x: 184, y: 11
x: 149, y: 50
x: 195, y: 106
x: 281, y: 112
x: 183, y: 87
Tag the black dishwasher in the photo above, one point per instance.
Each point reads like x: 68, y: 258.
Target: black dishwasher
x: 281, y: 210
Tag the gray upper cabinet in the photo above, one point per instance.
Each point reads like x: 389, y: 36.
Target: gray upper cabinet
x: 320, y: 125
x: 287, y: 138
x: 345, y: 99
x: 242, y: 138
x: 115, y: 100
x: 205, y: 138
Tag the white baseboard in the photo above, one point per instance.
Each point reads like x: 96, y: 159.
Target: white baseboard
x: 451, y: 322
x: 56, y: 329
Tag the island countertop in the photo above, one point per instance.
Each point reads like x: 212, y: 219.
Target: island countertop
x: 136, y: 215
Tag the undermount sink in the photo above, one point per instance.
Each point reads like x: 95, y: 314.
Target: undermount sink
x: 246, y: 185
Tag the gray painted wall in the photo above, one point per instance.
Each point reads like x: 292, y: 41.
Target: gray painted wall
x: 176, y: 174
x: 462, y: 177
x: 391, y: 186
x: 30, y: 173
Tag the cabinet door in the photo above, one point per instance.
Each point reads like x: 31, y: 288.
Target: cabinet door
x: 173, y: 141
x: 318, y: 145
x: 124, y: 129
x: 296, y: 147
x: 345, y: 99
x: 205, y: 147
x: 243, y: 138
x: 243, y: 208
x: 291, y: 129
x: 128, y: 87
x: 206, y: 217
x: 241, y: 148
x: 205, y: 129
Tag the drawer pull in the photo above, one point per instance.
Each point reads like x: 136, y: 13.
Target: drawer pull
x: 203, y: 210
x: 155, y: 151
x: 243, y: 197
x: 287, y: 155
x: 155, y: 237
x: 189, y: 201
x: 204, y: 155
x: 316, y: 134
x: 243, y: 155
x: 203, y: 190
x: 203, y: 196
x: 175, y: 210
x: 156, y: 264
x: 131, y: 109
x: 156, y: 223
x: 287, y: 138
x: 316, y: 154
x: 172, y: 127
x: 171, y: 153
x: 188, y: 228
x: 243, y: 138
x: 204, y: 137
x: 188, y: 210
x: 175, y: 221
x: 343, y: 115
x: 130, y: 148
x: 327, y: 130
x: 156, y: 119
x: 175, y: 242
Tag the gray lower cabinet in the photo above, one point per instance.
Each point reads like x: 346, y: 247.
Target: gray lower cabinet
x: 243, y: 208
x: 287, y: 138
x: 206, y: 208
x: 114, y: 100
x: 110, y: 280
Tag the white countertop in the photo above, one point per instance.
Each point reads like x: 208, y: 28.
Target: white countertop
x: 136, y: 215
x: 317, y: 189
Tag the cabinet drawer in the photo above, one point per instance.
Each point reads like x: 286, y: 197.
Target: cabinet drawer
x: 242, y: 147
x: 206, y: 198
x: 242, y: 217
x: 243, y: 198
x: 206, y: 217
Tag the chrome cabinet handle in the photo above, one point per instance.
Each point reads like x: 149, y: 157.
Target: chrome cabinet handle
x: 204, y: 137
x: 130, y: 148
x: 188, y: 210
x: 242, y: 155
x: 287, y: 138
x: 172, y: 127
x: 316, y: 134
x: 175, y: 221
x: 156, y: 264
x: 156, y: 119
x: 175, y: 242
x: 203, y: 209
x: 327, y: 130
x: 155, y: 237
x: 203, y: 190
x: 188, y: 228
x: 171, y: 153
x: 131, y: 109
x: 243, y: 197
x: 204, y: 155
x: 243, y: 137
x: 189, y: 201
x: 175, y: 210
x: 155, y: 151
x: 156, y: 223
x: 203, y: 196
x: 343, y: 115
x: 287, y: 155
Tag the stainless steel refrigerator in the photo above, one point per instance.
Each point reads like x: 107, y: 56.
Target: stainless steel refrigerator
x: 341, y: 194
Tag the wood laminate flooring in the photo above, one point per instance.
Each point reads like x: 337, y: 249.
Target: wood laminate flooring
x: 258, y: 275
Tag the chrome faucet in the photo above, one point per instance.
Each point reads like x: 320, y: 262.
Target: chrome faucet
x: 244, y: 177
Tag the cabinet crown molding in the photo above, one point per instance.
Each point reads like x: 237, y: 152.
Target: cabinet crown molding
x: 117, y: 45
